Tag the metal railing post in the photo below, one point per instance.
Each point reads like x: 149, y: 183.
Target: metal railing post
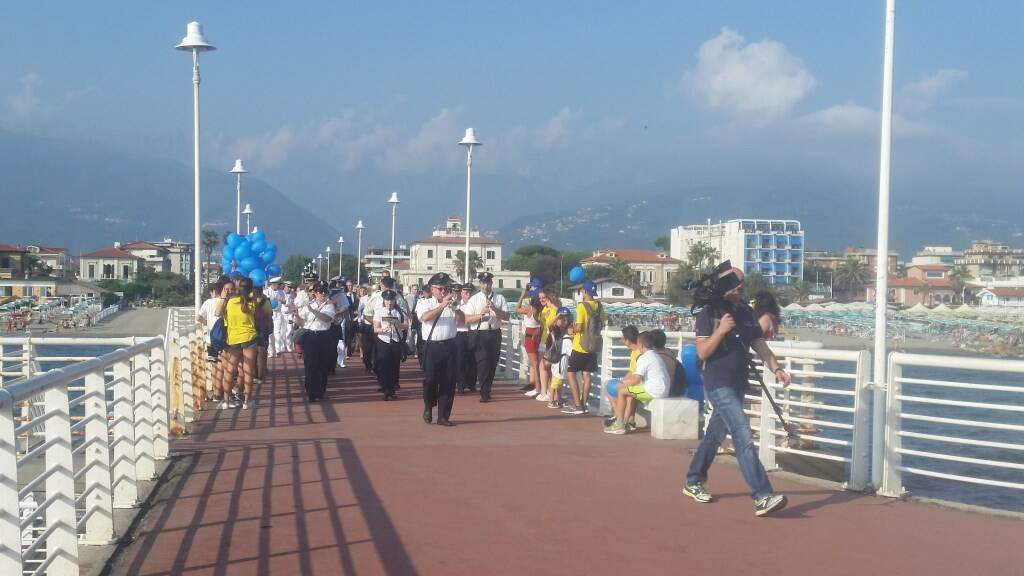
x: 99, y: 512
x: 187, y: 376
x: 860, y: 453
x: 10, y: 516
x: 62, y: 543
x: 145, y: 466
x: 26, y: 357
x: 892, y: 481
x: 161, y: 415
x: 126, y: 492
x: 766, y: 451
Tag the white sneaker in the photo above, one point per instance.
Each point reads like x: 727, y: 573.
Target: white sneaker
x: 223, y: 405
x: 531, y: 393
x: 542, y: 398
x: 250, y: 405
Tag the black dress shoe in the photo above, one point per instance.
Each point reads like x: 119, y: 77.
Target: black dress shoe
x: 428, y: 417
x: 484, y: 400
x: 445, y: 423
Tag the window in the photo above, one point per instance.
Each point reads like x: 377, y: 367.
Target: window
x: 430, y: 253
x: 501, y: 283
x: 125, y: 269
x: 490, y: 255
x: 448, y: 254
x: 108, y: 270
x: 618, y: 292
x: 92, y: 271
x: 519, y: 284
x: 934, y: 274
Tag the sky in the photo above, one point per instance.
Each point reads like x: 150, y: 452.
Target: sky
x: 337, y: 104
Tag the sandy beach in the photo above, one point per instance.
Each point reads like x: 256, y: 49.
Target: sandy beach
x: 916, y: 345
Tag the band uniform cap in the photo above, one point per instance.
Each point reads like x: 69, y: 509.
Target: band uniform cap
x: 440, y: 279
x: 275, y: 280
x: 389, y: 294
x: 387, y: 282
x: 289, y: 283
x: 311, y: 276
x: 485, y: 277
x: 468, y: 286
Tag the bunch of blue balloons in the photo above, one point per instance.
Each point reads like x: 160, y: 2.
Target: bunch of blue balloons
x: 252, y: 256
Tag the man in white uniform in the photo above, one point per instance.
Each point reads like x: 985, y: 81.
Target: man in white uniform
x: 439, y: 322
x: 485, y: 312
x: 283, y: 329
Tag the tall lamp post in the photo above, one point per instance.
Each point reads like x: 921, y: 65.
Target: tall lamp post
x: 341, y: 246
x: 320, y: 265
x: 248, y: 212
x: 238, y: 170
x: 882, y: 262
x: 394, y: 208
x: 469, y: 140
x: 328, y: 258
x: 359, y: 253
x: 195, y: 42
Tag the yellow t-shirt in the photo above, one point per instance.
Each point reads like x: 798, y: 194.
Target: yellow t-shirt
x: 582, y: 312
x: 632, y: 360
x: 547, y: 314
x: 240, y: 324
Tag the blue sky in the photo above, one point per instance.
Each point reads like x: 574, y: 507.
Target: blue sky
x: 339, y: 103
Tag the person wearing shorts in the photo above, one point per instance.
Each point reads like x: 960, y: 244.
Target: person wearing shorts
x: 650, y: 381
x: 582, y: 360
x: 561, y: 335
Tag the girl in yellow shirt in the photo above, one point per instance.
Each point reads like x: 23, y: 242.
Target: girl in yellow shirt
x: 239, y: 313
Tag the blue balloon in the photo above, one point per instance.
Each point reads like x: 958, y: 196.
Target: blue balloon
x: 268, y: 256
x: 613, y: 387
x: 258, y: 235
x: 691, y: 365
x: 273, y: 270
x: 257, y: 246
x: 258, y: 277
x: 576, y: 275
x: 228, y: 252
x: 225, y: 265
x: 234, y: 239
x: 274, y: 304
x: 249, y: 264
x: 242, y: 252
x: 271, y: 247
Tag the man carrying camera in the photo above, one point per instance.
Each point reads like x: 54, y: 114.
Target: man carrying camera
x: 726, y: 330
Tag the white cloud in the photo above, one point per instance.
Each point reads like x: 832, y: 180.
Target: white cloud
x: 269, y: 150
x: 430, y: 146
x: 25, y: 102
x: 556, y: 132
x: 918, y: 96
x: 758, y: 80
x: 857, y: 119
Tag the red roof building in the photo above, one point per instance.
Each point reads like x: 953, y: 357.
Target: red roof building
x: 652, y: 270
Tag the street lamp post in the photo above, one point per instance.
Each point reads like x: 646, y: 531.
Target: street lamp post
x: 320, y: 265
x: 394, y: 208
x: 469, y: 140
x: 238, y: 170
x: 328, y: 258
x: 195, y: 42
x: 248, y: 212
x: 341, y: 245
x: 359, y: 253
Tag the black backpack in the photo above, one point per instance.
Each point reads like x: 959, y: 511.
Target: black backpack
x: 678, y: 384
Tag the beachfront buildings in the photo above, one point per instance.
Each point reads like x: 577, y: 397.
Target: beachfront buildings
x: 828, y: 260
x: 377, y: 260
x: 608, y: 290
x: 652, y: 270
x: 166, y: 255
x: 927, y: 284
x: 774, y: 248
x: 109, y: 264
x: 990, y: 259
x: 944, y: 255
x: 441, y: 252
x: 1013, y: 297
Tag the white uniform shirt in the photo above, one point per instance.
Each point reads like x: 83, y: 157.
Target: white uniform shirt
x: 285, y: 300
x: 373, y: 302
x: 478, y: 303
x: 462, y: 306
x: 652, y: 371
x: 444, y: 329
x: 311, y: 321
x: 209, y: 313
x: 389, y: 332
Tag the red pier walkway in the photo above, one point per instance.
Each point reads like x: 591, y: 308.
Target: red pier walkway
x: 355, y: 485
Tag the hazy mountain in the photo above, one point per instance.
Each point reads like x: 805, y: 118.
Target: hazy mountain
x: 84, y: 197
x: 832, y: 218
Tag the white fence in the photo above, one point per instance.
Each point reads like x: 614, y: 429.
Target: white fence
x: 74, y: 442
x: 830, y: 404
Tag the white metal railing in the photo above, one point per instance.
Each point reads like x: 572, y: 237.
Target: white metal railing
x: 105, y: 313
x: 103, y: 425
x: 978, y: 438
x: 185, y: 342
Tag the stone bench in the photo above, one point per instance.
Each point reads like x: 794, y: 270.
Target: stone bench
x: 676, y: 418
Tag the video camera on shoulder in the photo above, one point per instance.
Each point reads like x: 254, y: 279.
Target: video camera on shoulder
x: 710, y: 289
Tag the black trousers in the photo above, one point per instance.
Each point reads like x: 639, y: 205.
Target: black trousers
x: 465, y: 363
x: 439, y: 377
x: 387, y: 360
x: 368, y: 340
x: 486, y: 346
x: 317, y: 357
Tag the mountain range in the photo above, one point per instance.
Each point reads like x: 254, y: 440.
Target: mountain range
x: 85, y: 196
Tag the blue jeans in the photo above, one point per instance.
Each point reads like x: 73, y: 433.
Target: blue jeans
x: 729, y: 417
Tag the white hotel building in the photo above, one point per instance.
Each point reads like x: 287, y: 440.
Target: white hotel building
x: 775, y: 248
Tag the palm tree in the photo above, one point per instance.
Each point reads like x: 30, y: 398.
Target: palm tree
x: 852, y: 274
x: 800, y: 291
x: 958, y: 278
x: 702, y: 256
x: 209, y: 240
x: 459, y: 264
